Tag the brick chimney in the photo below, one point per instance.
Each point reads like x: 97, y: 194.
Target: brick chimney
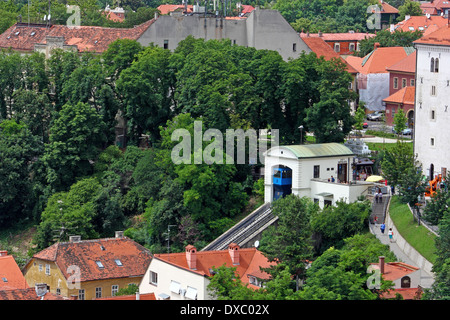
x: 233, y: 250
x: 381, y: 264
x: 74, y: 238
x: 119, y: 234
x: 376, y: 45
x: 3, y: 253
x: 191, y: 257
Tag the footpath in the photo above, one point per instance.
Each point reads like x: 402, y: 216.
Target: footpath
x: 426, y: 278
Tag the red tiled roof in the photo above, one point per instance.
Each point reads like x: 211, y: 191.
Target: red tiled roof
x: 142, y: 296
x: 250, y: 261
x: 322, y: 49
x: 439, y: 37
x: 427, y: 25
x: 436, y: 5
x: 22, y: 37
x: 10, y: 275
x: 407, y: 64
x: 378, y: 60
x: 26, y: 294
x: 406, y: 293
x: 396, y: 270
x: 246, y: 8
x: 133, y: 257
x: 402, y: 96
x: 345, y: 36
x: 168, y: 8
x: 387, y: 8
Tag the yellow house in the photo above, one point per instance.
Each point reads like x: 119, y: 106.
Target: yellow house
x: 88, y: 269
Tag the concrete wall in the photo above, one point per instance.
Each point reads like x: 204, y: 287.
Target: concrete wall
x: 427, y: 128
x: 263, y: 29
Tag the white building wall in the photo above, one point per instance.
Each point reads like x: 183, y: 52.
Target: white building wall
x: 303, y: 182
x: 167, y: 273
x: 431, y: 136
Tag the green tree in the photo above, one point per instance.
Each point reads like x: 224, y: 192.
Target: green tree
x: 18, y: 152
x: 77, y: 135
x: 290, y: 242
x: 69, y: 213
x: 387, y: 39
x: 226, y: 285
x: 335, y: 223
x: 400, y: 121
x: 147, y: 88
x: 397, y: 162
x: 412, y: 186
x: 411, y: 8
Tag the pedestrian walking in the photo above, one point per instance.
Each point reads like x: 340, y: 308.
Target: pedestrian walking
x: 375, y: 219
x: 382, y: 227
x: 391, y: 234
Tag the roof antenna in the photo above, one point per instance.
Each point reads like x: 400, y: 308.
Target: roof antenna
x: 168, y: 236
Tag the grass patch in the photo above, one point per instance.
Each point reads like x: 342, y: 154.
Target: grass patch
x: 418, y: 237
x: 379, y: 146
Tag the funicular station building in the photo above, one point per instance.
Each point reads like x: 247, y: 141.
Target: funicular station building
x: 322, y: 172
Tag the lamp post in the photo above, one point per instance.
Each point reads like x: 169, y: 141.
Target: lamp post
x: 301, y: 134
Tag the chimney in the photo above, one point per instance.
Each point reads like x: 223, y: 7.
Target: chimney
x: 381, y: 263
x: 41, y: 289
x: 119, y: 234
x: 74, y: 238
x: 138, y: 295
x: 191, y: 257
x: 233, y: 250
x: 3, y: 253
x: 320, y: 33
x: 376, y: 45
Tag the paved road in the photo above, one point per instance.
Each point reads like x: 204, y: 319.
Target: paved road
x: 426, y: 279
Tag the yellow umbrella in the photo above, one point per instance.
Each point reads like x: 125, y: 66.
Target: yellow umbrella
x: 374, y: 178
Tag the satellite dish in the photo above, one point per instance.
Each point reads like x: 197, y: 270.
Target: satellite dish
x: 256, y: 244
x: 45, y: 17
x: 48, y: 18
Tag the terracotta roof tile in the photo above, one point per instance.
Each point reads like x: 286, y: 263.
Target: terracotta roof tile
x: 407, y: 64
x: 133, y: 259
x: 427, y: 25
x: 168, y: 8
x: 406, y: 293
x: 26, y: 294
x: 379, y: 59
x: 345, y: 36
x: 142, y: 296
x: 387, y: 8
x: 402, y: 96
x: 439, y: 37
x: 250, y: 261
x: 10, y: 275
x: 322, y: 49
x: 22, y: 37
x: 396, y: 270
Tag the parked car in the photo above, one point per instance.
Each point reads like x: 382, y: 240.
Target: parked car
x: 405, y: 132
x: 376, y: 116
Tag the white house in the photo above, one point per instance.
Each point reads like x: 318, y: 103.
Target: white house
x: 186, y: 275
x: 432, y: 100
x: 309, y: 170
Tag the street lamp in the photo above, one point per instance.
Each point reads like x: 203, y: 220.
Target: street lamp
x: 301, y: 134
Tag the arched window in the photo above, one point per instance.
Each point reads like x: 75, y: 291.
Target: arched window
x: 432, y: 65
x: 405, y: 282
x: 436, y: 65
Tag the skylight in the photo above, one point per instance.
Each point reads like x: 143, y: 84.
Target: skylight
x: 99, y: 264
x: 118, y: 262
x: 4, y: 279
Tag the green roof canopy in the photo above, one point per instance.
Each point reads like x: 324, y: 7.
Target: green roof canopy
x: 319, y: 150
